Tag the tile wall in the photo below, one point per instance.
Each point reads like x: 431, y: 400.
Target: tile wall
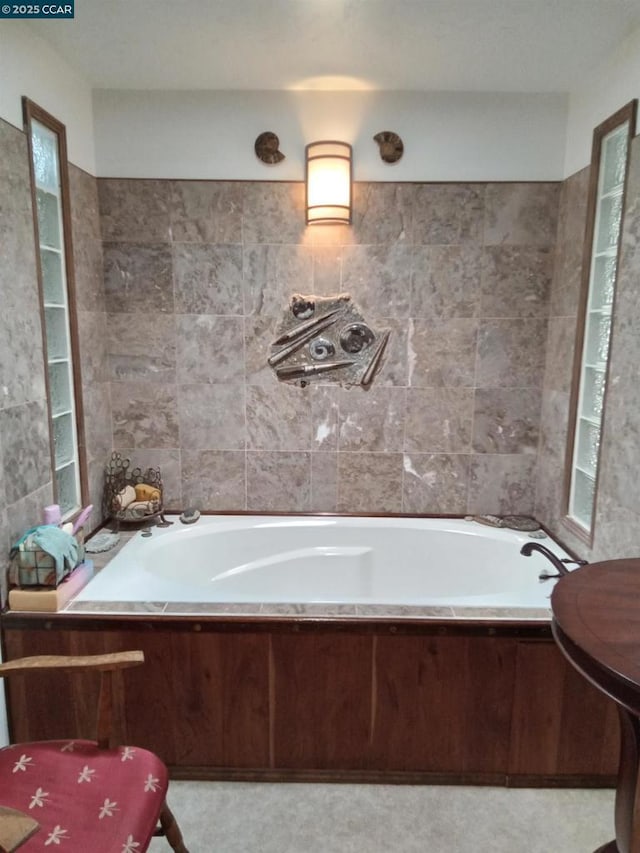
x: 197, y: 275
x: 92, y: 330
x: 180, y: 286
x: 25, y: 469
x: 25, y: 462
x: 617, y: 523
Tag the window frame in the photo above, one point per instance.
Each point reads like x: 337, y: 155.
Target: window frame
x: 33, y: 112
x: 626, y: 114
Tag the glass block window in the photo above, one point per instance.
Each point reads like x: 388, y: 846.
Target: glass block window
x: 49, y: 176
x: 609, y: 168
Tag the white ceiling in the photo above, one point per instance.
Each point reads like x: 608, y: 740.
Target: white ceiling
x: 414, y: 45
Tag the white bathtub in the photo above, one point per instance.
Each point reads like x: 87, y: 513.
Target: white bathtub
x: 332, y: 560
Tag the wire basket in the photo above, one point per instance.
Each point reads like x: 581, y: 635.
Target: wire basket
x: 119, y: 475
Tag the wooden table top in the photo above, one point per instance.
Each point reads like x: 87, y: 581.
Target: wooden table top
x: 596, y: 623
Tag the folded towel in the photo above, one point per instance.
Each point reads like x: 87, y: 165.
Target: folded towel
x: 62, y: 547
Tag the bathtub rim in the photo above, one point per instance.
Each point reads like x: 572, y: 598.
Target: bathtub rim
x: 293, y: 611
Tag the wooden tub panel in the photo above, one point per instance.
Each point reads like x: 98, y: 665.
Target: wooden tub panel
x: 443, y: 704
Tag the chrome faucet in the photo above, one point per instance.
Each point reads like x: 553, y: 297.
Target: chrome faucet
x: 560, y: 564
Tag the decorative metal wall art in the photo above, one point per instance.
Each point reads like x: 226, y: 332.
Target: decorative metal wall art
x: 326, y: 337
x: 391, y: 146
x: 267, y: 148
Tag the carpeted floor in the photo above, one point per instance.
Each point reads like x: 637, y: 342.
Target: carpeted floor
x: 241, y: 817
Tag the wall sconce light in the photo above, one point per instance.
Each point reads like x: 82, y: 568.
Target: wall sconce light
x: 328, y: 183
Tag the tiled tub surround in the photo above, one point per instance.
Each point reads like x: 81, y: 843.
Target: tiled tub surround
x: 197, y: 274
x: 617, y: 520
x: 25, y: 462
x: 343, y: 567
x: 25, y: 465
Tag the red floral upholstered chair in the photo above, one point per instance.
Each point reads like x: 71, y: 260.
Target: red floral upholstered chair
x: 80, y: 796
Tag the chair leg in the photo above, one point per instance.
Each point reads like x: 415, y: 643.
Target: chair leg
x: 171, y: 830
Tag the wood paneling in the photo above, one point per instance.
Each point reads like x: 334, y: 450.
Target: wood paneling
x: 200, y: 699
x: 561, y: 724
x: 215, y: 700
x: 443, y: 704
x: 321, y: 700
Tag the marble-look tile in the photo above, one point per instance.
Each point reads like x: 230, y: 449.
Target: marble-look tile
x: 327, y: 270
x: 516, y: 281
x: 617, y: 533
x: 369, y: 482
x: 206, y: 211
x: 95, y: 477
x: 560, y: 353
x: 381, y: 213
x: 202, y: 608
x: 572, y: 218
x: 145, y: 414
x: 25, y: 449
x: 210, y: 349
x: 548, y: 508
x: 335, y: 236
x: 442, y: 352
x: 18, y: 281
x: 260, y: 331
x: 324, y: 482
x: 619, y: 449
x: 435, y: 483
x: 138, y: 277
x: 402, y: 611
x: 212, y: 417
x: 168, y: 461
x: 214, y: 479
x: 524, y: 214
x: 3, y: 497
x: 121, y: 607
x: 273, y: 212
x: 141, y: 347
x: 92, y: 334
x: 324, y: 416
x: 85, y: 205
x: 278, y: 481
x: 501, y: 484
x: 394, y: 367
x: 89, y: 275
x: 554, y: 418
x: 379, y: 278
x: 134, y: 210
x: 279, y: 417
x: 27, y: 511
x: 371, y: 420
x: 442, y: 214
x: 511, y: 353
x: 272, y: 274
x: 208, y: 278
x: 96, y: 400
x: 446, y: 282
x: 22, y: 371
x: 506, y: 420
x: 533, y: 614
x: 439, y: 420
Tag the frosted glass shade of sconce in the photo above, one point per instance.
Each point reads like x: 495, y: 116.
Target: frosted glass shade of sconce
x: 328, y: 183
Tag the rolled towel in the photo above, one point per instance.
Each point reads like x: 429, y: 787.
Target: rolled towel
x: 145, y: 492
x: 138, y: 509
x: 124, y: 498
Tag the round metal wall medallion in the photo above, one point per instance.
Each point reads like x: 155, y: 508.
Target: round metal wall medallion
x: 356, y: 337
x: 320, y: 349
